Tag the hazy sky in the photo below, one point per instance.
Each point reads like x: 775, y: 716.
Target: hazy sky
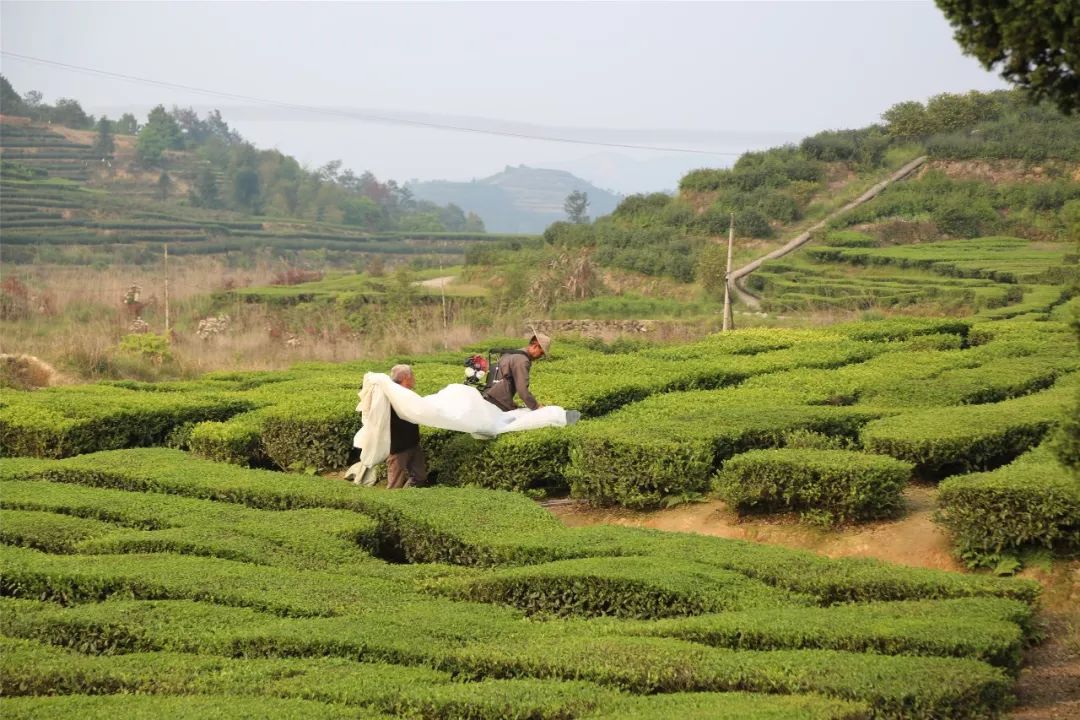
x: 718, y: 76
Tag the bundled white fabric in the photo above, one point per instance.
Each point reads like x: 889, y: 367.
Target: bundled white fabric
x: 455, y: 407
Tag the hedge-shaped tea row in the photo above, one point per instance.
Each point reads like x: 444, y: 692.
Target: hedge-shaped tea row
x: 460, y: 526
x: 945, y: 441
x: 342, y: 684
x: 831, y: 485
x: 1035, y: 500
x: 688, y: 436
x: 304, y: 417
x: 1001, y: 259
x: 65, y: 518
x: 895, y: 686
x: 58, y: 422
x: 484, y: 528
x: 187, y: 707
x: 641, y: 587
x: 989, y: 629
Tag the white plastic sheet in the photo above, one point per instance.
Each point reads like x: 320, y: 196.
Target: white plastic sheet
x: 456, y: 407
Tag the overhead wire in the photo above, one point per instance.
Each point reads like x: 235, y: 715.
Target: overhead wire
x: 355, y: 115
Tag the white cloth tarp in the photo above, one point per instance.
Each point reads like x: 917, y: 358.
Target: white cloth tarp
x: 456, y: 407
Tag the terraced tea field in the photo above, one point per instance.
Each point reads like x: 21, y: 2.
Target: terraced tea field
x: 143, y: 579
x: 54, y: 206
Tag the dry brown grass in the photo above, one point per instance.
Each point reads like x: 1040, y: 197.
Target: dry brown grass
x: 88, y: 319
x: 26, y: 372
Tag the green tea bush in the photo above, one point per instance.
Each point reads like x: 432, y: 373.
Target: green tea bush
x: 1033, y: 501
x: 237, y: 441
x: 689, y: 435
x: 991, y: 629
x: 65, y: 518
x: 831, y: 485
x: 894, y: 686
x: 632, y: 587
x: 397, y: 689
x: 185, y: 707
x: 57, y: 422
x: 976, y: 437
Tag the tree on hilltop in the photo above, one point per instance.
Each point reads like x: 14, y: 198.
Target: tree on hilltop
x: 204, y: 189
x: 164, y: 186
x: 160, y: 133
x: 10, y: 102
x: 577, y: 203
x: 104, y: 145
x: 33, y: 99
x: 1035, y: 42
x: 69, y: 113
x: 126, y: 125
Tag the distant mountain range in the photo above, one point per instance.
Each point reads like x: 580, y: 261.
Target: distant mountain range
x: 517, y: 200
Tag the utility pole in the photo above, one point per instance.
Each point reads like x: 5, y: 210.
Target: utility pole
x: 166, y: 288
x: 728, y: 319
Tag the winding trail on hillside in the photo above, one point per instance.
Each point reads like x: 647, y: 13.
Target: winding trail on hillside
x: 735, y: 278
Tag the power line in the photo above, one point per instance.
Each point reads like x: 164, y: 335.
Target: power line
x: 352, y: 115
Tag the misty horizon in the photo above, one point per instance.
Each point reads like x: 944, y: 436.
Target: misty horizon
x: 719, y: 77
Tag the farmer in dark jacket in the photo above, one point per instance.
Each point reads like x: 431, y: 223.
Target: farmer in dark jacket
x: 512, y: 375
x: 405, y: 466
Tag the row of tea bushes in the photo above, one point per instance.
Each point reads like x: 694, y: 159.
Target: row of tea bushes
x: 946, y: 441
x: 72, y: 518
x: 1033, y: 501
x: 893, y: 685
x: 829, y: 485
x: 303, y: 418
x: 459, y: 526
x: 503, y: 550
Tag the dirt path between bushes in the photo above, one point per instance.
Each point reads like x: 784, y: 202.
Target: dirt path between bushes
x: 1048, y: 687
x: 437, y: 282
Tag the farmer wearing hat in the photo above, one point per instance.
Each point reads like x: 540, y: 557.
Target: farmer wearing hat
x: 512, y: 374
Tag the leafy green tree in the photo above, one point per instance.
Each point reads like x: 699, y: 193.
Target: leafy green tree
x: 10, y: 102
x: 576, y: 205
x: 204, y: 189
x: 948, y: 111
x: 104, y: 146
x: 220, y: 130
x: 422, y: 222
x: 164, y: 186
x: 193, y: 130
x: 160, y: 133
x: 33, y: 100
x: 1036, y: 43
x: 126, y: 125
x: 246, y: 188
x: 712, y: 269
x: 474, y: 223
x: 361, y: 212
x: 69, y: 113
x: 907, y: 119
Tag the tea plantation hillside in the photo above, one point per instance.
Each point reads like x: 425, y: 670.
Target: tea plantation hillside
x: 996, y: 168
x: 187, y: 549
x: 868, y: 405
x: 65, y: 199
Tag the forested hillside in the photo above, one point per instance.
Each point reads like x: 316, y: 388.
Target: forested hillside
x: 181, y: 159
x: 997, y: 166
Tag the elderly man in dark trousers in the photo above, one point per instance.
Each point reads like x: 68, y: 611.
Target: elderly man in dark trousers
x: 512, y: 375
x: 405, y: 466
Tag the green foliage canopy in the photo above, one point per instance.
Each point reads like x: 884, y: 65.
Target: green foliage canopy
x: 1036, y: 43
